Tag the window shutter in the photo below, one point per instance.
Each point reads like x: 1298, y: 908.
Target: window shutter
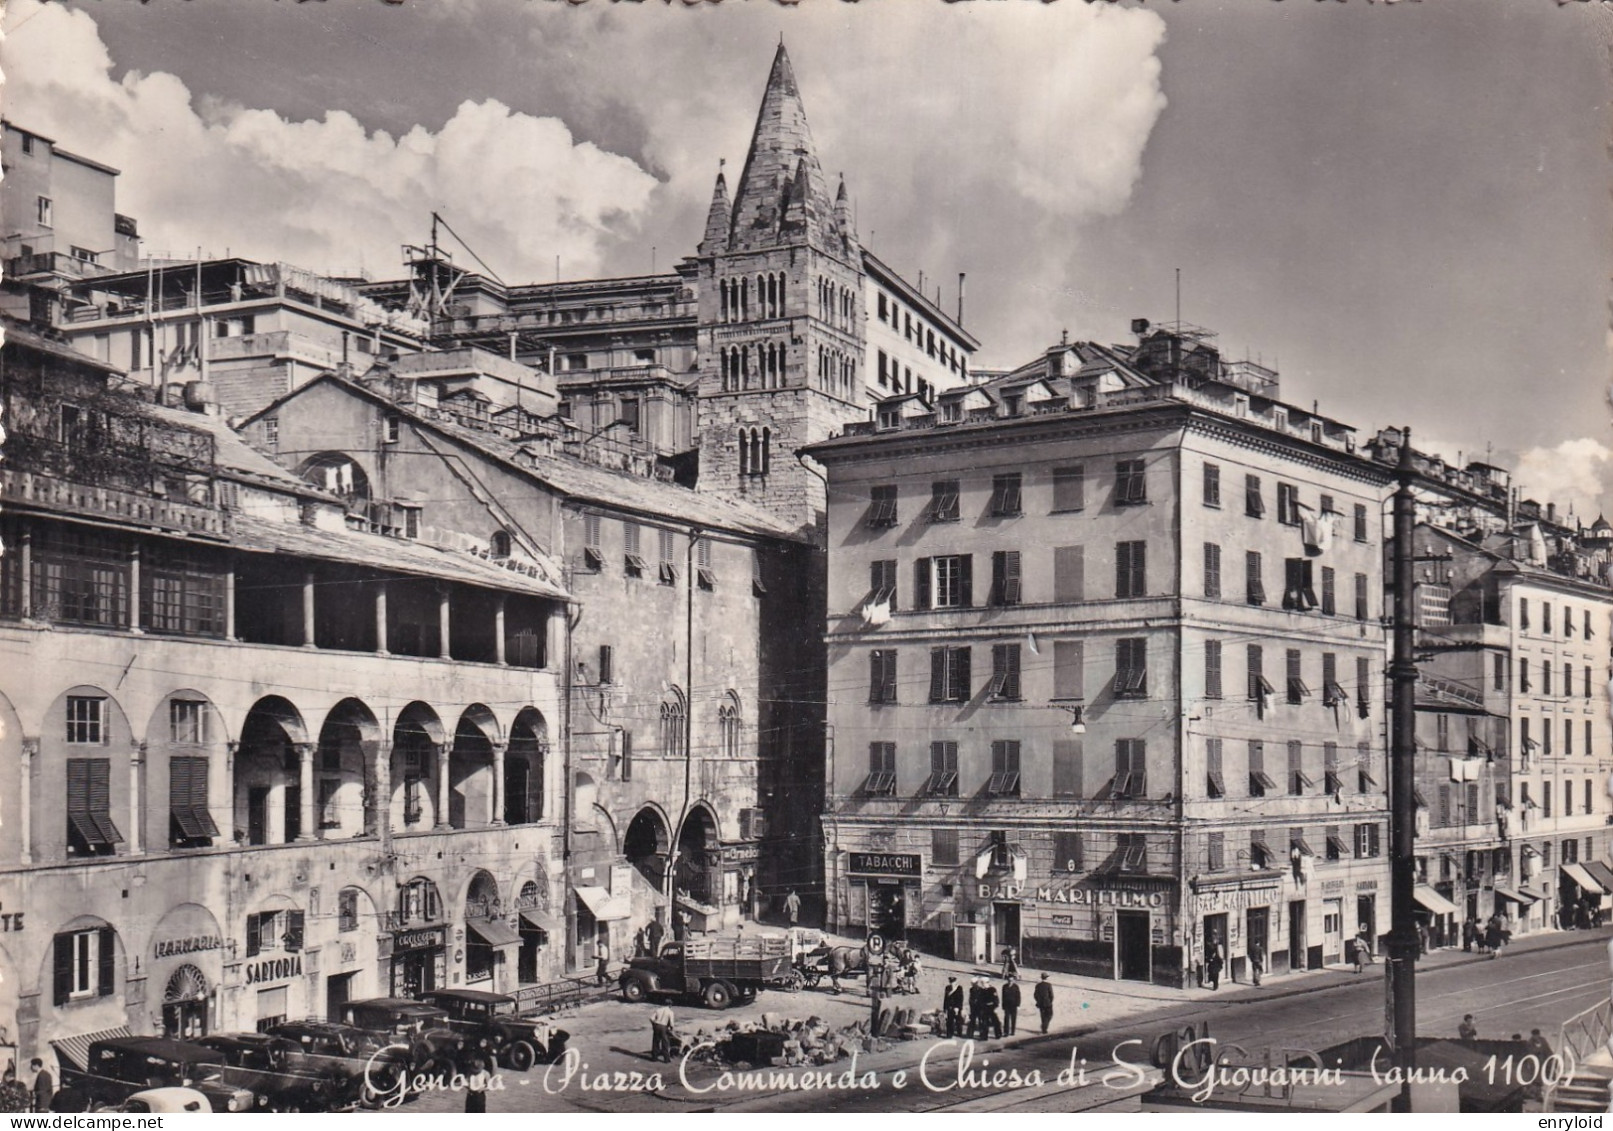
x: 1067, y: 673
x: 254, y: 937
x: 106, y: 954
x: 962, y: 678
x: 295, y: 926
x: 62, y: 980
x: 938, y: 674
x: 921, y: 583
x: 876, y: 673
x: 1069, y: 581
x: 1067, y: 767
x: 966, y: 580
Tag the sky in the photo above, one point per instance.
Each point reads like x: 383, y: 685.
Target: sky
x: 1405, y: 208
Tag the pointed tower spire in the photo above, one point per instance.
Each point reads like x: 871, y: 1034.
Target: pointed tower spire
x: 718, y: 217
x: 781, y: 153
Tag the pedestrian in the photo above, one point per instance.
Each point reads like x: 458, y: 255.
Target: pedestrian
x: 1257, y: 961
x: 952, y: 1008
x: 1010, y: 963
x: 602, y: 957
x: 792, y: 906
x: 1011, y: 999
x: 653, y: 934
x: 1467, y: 1031
x: 1469, y: 929
x: 1538, y: 1045
x: 988, y: 1011
x: 681, y: 924
x: 976, y: 998
x: 1422, y: 939
x: 1044, y: 1001
x: 1363, y: 948
x: 44, y: 1086
x: 1216, y: 961
x: 476, y: 1087
x: 1492, y: 936
x: 640, y: 946
x: 662, y: 1024
x: 14, y: 1096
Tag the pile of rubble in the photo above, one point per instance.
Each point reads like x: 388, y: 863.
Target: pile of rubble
x: 780, y: 1041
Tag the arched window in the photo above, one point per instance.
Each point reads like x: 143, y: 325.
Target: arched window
x: 672, y: 726
x: 744, y: 300
x: 730, y: 727
x: 781, y: 307
x: 744, y: 453
x: 767, y: 449
x: 722, y: 289
x: 499, y: 544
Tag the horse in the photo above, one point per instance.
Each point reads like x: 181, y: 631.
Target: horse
x: 847, y: 960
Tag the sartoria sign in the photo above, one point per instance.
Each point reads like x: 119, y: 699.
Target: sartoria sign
x: 886, y: 864
x: 168, y: 948
x: 274, y: 970
x: 1107, y: 897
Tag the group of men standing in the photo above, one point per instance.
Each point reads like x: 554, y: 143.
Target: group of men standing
x: 984, y: 999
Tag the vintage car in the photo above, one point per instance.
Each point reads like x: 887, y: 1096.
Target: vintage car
x: 434, y: 1047
x: 276, y: 1072
x: 359, y: 1065
x: 117, y: 1067
x: 165, y: 1101
x: 491, y: 1021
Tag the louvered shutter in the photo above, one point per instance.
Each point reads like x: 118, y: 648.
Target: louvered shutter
x: 296, y: 923
x: 101, y: 800
x: 921, y: 583
x: 938, y: 674
x: 962, y: 678
x: 62, y: 979
x: 105, y: 972
x: 254, y: 935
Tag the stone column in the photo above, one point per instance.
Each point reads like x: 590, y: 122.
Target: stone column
x: 26, y: 565
x: 134, y: 589
x: 136, y: 837
x: 308, y: 609
x: 381, y: 761
x: 444, y: 753
x: 443, y: 622
x: 30, y: 752
x: 227, y: 828
x: 305, y: 783
x: 498, y: 631
x: 229, y: 604
x: 498, y: 782
x: 380, y: 619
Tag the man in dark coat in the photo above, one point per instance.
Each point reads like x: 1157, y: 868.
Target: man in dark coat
x: 653, y: 934
x: 1469, y: 929
x: 976, y: 1010
x: 44, y: 1086
x: 952, y: 1008
x: 1044, y: 1001
x: 990, y: 1023
x: 1011, y: 1001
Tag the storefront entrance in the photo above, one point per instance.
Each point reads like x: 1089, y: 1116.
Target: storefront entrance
x: 1257, y: 925
x: 1133, y: 947
x: 1004, y: 928
x: 1366, y: 917
x: 887, y: 909
x: 1297, y: 959
x: 184, y: 1006
x: 338, y: 992
x: 1332, y: 930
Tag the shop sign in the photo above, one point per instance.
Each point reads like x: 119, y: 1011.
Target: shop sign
x: 484, y: 907
x: 1106, y: 897
x: 740, y: 853
x: 422, y: 939
x: 10, y: 920
x: 273, y: 970
x: 1367, y: 885
x: 1332, y: 887
x: 1064, y: 920
x: 886, y: 864
x: 535, y: 900
x: 169, y: 948
x: 1236, y: 899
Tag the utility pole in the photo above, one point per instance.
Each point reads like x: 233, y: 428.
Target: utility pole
x: 1401, y: 968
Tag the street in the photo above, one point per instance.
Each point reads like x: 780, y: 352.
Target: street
x: 1537, y: 983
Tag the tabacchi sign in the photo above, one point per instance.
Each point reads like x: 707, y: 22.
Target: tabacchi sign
x: 886, y: 864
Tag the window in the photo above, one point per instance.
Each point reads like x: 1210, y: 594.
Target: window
x: 1259, y: 691
x: 1212, y: 669
x: 1298, y: 594
x: 1253, y: 505
x: 1067, y: 758
x: 1330, y: 600
x: 1297, y: 691
x: 1131, y: 853
x: 1327, y: 505
x: 672, y: 729
x: 181, y: 593
x: 85, y: 965
x: 1212, y: 485
x: 1568, y: 742
x: 1335, y: 842
x: 668, y: 569
x: 881, y: 781
x: 1333, y: 692
x: 1004, y: 672
x: 1215, y: 782
x: 187, y: 721
x: 86, y: 721
x: 882, y: 506
x: 1588, y: 806
x: 630, y: 549
x: 1131, y: 667
x: 943, y: 770
x: 1067, y: 854
x: 1366, y: 841
x: 1568, y: 621
x: 1545, y: 618
x: 1260, y: 853
x: 1360, y: 522
x: 704, y: 576
x: 1255, y: 587
x: 329, y: 814
x: 1131, y: 769
x: 1499, y: 677
x: 1545, y: 677
x: 1298, y: 780
x: 1443, y: 815
x: 1259, y: 781
x: 944, y: 501
x: 882, y: 583
x: 1587, y: 678
x: 90, y: 829
x: 28, y: 144
x: 1005, y: 578
x: 944, y: 848
x: 1212, y: 571
x: 413, y: 783
x: 1361, y: 596
x: 190, y: 824
x: 44, y: 213
x: 1131, y: 569
x: 1005, y: 495
x: 1069, y: 574
x: 1589, y: 750
x: 949, y: 675
x: 1215, y: 852
x: 1004, y: 780
x: 1288, y: 504
x: 1523, y: 675
x: 1069, y: 657
x: 1330, y: 768
x: 347, y: 910
x: 1069, y: 488
x: 1523, y: 614
x: 882, y: 675
x: 80, y: 576
x: 276, y: 930
x: 1131, y: 485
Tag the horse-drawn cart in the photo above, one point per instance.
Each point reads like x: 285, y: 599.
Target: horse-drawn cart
x: 832, y: 962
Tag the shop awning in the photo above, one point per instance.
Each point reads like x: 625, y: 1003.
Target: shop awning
x: 1584, y: 879
x: 493, y: 932
x: 690, y: 903
x: 76, y: 1050
x: 602, y: 905
x: 543, y: 921
x: 1601, y: 873
x: 1508, y: 893
x: 1432, y: 900
x: 1532, y: 893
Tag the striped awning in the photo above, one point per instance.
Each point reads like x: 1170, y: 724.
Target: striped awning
x: 1601, y: 873
x: 1583, y: 878
x: 76, y: 1050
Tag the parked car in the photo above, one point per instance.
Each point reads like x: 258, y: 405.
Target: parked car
x: 358, y: 1064
x: 276, y: 1072
x: 118, y: 1067
x: 434, y: 1047
x: 165, y: 1101
x: 493, y: 1022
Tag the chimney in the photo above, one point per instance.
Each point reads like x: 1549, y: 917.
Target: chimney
x: 1551, y: 512
x: 960, y: 298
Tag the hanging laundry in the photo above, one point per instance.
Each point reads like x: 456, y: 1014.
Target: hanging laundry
x: 877, y: 612
x: 1316, y: 530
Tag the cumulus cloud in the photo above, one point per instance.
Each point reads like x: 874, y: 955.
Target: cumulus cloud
x: 327, y: 193
x: 1576, y: 473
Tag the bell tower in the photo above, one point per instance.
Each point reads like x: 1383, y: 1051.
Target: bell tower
x: 781, y: 331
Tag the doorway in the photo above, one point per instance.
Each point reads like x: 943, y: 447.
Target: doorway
x: 1257, y: 923
x: 1133, y: 947
x: 1296, y: 935
x: 1367, y: 920
x: 184, y: 1020
x: 1332, y: 930
x: 1004, y: 928
x: 338, y: 992
x: 887, y: 910
x: 418, y: 972
x: 257, y: 815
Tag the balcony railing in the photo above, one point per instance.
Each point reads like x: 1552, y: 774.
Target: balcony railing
x: 25, y: 487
